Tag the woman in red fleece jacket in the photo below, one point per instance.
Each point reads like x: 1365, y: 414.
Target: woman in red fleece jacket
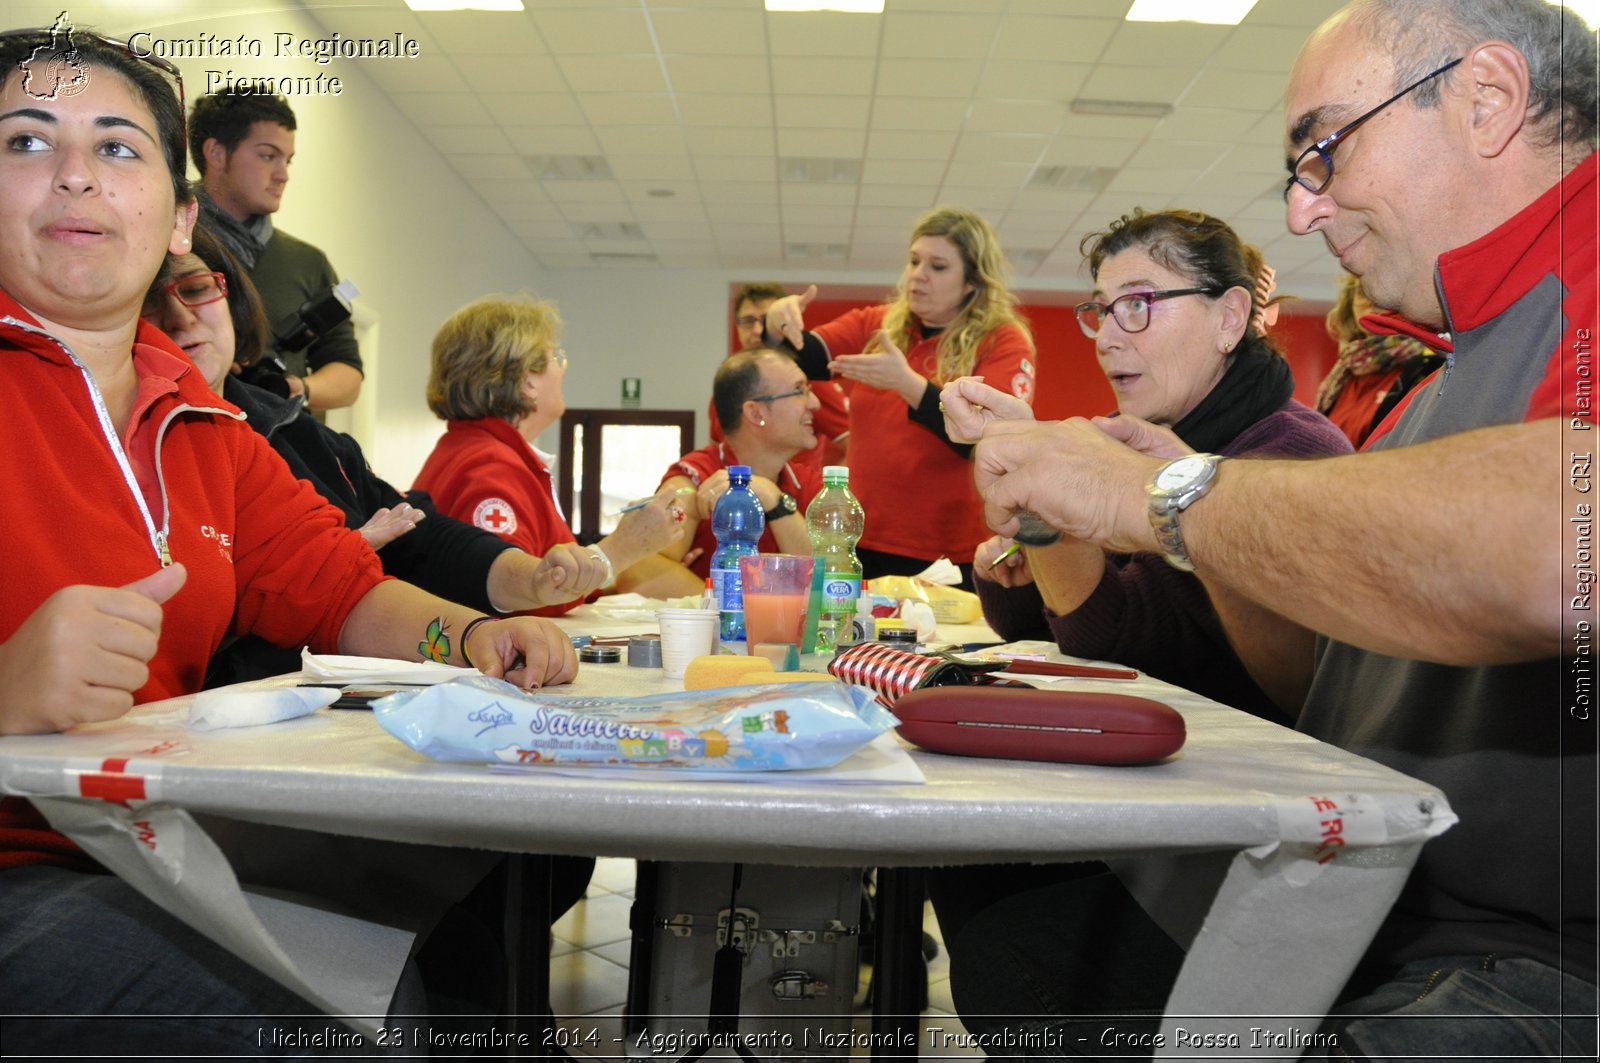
x: 148, y: 524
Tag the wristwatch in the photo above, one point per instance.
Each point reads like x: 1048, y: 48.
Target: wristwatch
x: 1173, y: 489
x: 783, y: 507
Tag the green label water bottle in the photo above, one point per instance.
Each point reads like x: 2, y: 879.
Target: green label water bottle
x: 834, y: 521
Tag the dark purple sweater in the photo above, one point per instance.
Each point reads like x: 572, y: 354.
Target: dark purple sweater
x: 1147, y: 614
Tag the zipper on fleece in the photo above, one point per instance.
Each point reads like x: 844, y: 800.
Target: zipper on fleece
x: 159, y: 537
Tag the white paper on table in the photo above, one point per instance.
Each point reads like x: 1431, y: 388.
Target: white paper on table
x: 345, y: 669
x: 882, y: 761
x: 631, y: 607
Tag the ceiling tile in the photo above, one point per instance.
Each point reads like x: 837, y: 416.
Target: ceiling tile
x: 822, y: 33
x: 1096, y: 125
x: 899, y: 172
x: 999, y: 174
x: 1053, y: 39
x: 986, y: 198
x: 565, y: 193
x: 1256, y: 160
x: 491, y: 78
x: 937, y: 36
x: 893, y: 144
x: 821, y: 143
x: 718, y: 73
x: 1174, y: 44
x: 733, y: 143
x: 1235, y: 88
x: 1182, y: 158
x: 794, y: 194
x: 619, y: 73
x: 931, y: 79
x: 595, y: 32
x: 458, y: 139
x: 1261, y: 48
x: 597, y: 212
x: 999, y: 147
x: 493, y: 167
x: 831, y: 76
x: 553, y: 140
x: 656, y: 170
x: 485, y: 33
x: 728, y: 196
x: 1060, y: 202
x: 534, y: 108
x: 752, y: 109
x: 440, y: 108
x: 629, y: 109
x: 1204, y: 123
x: 433, y: 72
x: 1088, y: 151
x: 900, y: 113
x: 1015, y: 116
x: 1142, y: 83
x: 710, y: 32
x: 644, y: 191
x: 910, y: 196
x: 821, y: 112
x: 1032, y: 81
x: 737, y: 168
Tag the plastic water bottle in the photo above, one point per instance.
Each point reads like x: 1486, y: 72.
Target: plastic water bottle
x: 737, y: 522
x: 834, y: 521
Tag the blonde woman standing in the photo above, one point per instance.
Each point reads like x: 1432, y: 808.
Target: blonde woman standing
x: 951, y: 316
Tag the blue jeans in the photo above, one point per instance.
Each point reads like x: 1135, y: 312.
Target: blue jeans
x: 1077, y: 969
x: 88, y: 966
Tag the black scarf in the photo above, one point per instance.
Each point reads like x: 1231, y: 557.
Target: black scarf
x: 246, y: 239
x: 1256, y: 383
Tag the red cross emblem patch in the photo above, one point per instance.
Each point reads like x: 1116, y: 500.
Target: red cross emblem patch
x: 495, y: 515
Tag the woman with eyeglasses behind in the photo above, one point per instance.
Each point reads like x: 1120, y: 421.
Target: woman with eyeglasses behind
x: 1177, y: 332
x: 951, y: 316
x: 1179, y: 338
x: 129, y: 473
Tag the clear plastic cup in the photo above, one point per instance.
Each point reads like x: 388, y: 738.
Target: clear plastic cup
x: 777, y: 590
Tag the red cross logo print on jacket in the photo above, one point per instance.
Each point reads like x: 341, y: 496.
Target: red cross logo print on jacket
x: 495, y: 515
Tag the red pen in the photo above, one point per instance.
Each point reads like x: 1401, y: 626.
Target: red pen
x: 1083, y: 671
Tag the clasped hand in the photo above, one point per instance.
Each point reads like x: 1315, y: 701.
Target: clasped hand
x: 1083, y: 477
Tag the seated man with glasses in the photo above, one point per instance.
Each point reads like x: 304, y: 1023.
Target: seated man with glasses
x: 765, y: 406
x: 832, y: 420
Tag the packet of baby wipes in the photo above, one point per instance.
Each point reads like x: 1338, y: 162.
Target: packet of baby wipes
x: 768, y: 727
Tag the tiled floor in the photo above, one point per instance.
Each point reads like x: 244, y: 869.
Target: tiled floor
x: 589, y: 976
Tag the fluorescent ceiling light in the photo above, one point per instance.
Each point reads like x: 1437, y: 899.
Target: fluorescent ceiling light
x: 464, y: 5
x: 854, y: 7
x: 1215, y: 12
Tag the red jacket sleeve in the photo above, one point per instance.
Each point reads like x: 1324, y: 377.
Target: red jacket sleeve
x: 298, y: 569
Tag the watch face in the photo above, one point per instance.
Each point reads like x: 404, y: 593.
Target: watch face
x: 1180, y: 472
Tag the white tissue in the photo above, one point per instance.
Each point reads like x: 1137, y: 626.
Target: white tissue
x: 942, y: 572
x: 346, y: 669
x: 246, y: 705
x: 919, y: 615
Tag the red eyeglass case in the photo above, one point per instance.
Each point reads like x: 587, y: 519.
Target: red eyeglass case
x: 1024, y: 723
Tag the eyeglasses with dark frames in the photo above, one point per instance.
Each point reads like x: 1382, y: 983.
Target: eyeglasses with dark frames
x: 803, y: 389
x: 750, y: 320
x: 1131, y: 311
x: 197, y: 289
x: 1313, y: 170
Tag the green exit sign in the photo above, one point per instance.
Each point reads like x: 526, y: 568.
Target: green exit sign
x: 632, y: 388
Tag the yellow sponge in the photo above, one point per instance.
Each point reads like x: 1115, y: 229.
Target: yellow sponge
x: 725, y: 670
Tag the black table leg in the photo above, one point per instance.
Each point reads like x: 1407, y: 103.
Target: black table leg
x: 898, y: 973
x: 526, y: 915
